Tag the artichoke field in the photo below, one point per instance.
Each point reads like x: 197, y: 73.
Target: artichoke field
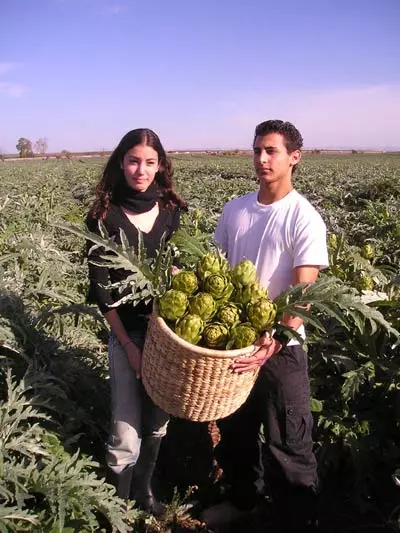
x: 216, y: 305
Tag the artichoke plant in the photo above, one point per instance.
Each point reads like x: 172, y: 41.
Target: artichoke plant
x: 173, y: 304
x: 365, y: 282
x: 215, y: 335
x: 261, y: 313
x: 185, y: 281
x: 332, y: 241
x: 241, y: 336
x: 367, y: 251
x: 244, y: 273
x: 202, y: 304
x: 229, y: 314
x: 219, y: 286
x: 190, y: 328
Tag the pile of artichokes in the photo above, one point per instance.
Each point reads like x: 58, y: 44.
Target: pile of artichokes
x: 218, y: 306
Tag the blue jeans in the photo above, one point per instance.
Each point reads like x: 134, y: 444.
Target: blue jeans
x: 133, y: 414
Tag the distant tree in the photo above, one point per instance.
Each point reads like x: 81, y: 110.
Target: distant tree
x: 41, y: 145
x: 66, y: 153
x: 24, y: 147
x: 2, y: 154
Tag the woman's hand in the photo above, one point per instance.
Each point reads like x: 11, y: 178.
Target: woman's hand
x: 134, y: 356
x: 265, y: 348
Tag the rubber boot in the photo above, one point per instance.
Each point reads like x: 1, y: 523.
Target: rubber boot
x: 143, y: 470
x: 122, y: 481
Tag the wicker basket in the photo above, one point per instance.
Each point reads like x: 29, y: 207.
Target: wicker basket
x: 189, y: 381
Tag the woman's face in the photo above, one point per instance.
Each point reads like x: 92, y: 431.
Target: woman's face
x: 140, y: 165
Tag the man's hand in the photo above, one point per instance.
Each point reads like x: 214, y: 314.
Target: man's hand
x: 134, y: 357
x: 265, y: 348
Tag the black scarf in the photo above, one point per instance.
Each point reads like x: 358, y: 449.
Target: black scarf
x: 135, y: 201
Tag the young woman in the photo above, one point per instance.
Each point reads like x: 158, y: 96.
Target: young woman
x: 135, y: 192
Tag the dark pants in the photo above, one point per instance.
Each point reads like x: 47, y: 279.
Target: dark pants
x: 280, y: 401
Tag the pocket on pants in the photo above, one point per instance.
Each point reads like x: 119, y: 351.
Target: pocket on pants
x: 298, y: 426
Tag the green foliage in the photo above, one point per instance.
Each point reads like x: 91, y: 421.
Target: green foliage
x: 54, y: 341
x: 335, y: 300
x: 149, y: 277
x: 24, y: 147
x: 35, y: 467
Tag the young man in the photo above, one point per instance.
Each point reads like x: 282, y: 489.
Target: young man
x: 280, y: 231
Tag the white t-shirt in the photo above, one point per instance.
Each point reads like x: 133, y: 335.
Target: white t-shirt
x: 277, y: 237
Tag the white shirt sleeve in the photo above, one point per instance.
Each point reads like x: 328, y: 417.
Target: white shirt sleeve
x: 310, y: 241
x: 221, y: 234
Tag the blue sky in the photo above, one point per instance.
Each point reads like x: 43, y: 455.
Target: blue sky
x: 201, y: 73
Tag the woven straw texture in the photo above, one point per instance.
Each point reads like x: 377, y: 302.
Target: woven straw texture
x: 189, y: 381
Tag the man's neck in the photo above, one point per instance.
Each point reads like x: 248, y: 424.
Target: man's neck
x: 273, y: 192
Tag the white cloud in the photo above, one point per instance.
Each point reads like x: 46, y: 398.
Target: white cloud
x: 13, y: 90
x: 6, y: 67
x: 359, y: 117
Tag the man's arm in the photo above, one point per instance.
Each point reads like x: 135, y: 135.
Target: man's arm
x: 270, y: 346
x: 301, y: 274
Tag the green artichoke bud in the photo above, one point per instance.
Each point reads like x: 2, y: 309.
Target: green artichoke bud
x: 244, y: 273
x: 202, y: 304
x: 332, y: 241
x: 173, y: 304
x: 252, y: 292
x: 229, y: 314
x: 219, y: 286
x: 241, y: 336
x: 190, y: 328
x: 211, y: 264
x: 338, y: 272
x: 367, y: 251
x: 261, y: 313
x: 365, y: 282
x: 185, y: 281
x: 215, y: 335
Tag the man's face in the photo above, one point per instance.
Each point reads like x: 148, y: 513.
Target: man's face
x: 272, y: 162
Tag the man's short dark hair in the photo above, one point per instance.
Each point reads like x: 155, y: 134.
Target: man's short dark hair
x: 292, y: 136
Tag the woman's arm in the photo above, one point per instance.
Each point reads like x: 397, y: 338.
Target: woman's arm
x: 132, y: 351
x: 99, y: 277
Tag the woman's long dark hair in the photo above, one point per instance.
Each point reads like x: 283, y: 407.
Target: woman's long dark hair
x: 113, y: 173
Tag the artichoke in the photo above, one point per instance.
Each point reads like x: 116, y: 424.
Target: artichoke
x: 241, y: 336
x: 215, y: 335
x: 173, y: 304
x: 365, y: 282
x: 332, y: 241
x: 185, y: 281
x: 367, y: 251
x: 202, y: 304
x: 244, y: 273
x: 190, y: 328
x: 229, y: 314
x: 219, y: 286
x: 252, y: 292
x: 211, y: 264
x: 261, y: 313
